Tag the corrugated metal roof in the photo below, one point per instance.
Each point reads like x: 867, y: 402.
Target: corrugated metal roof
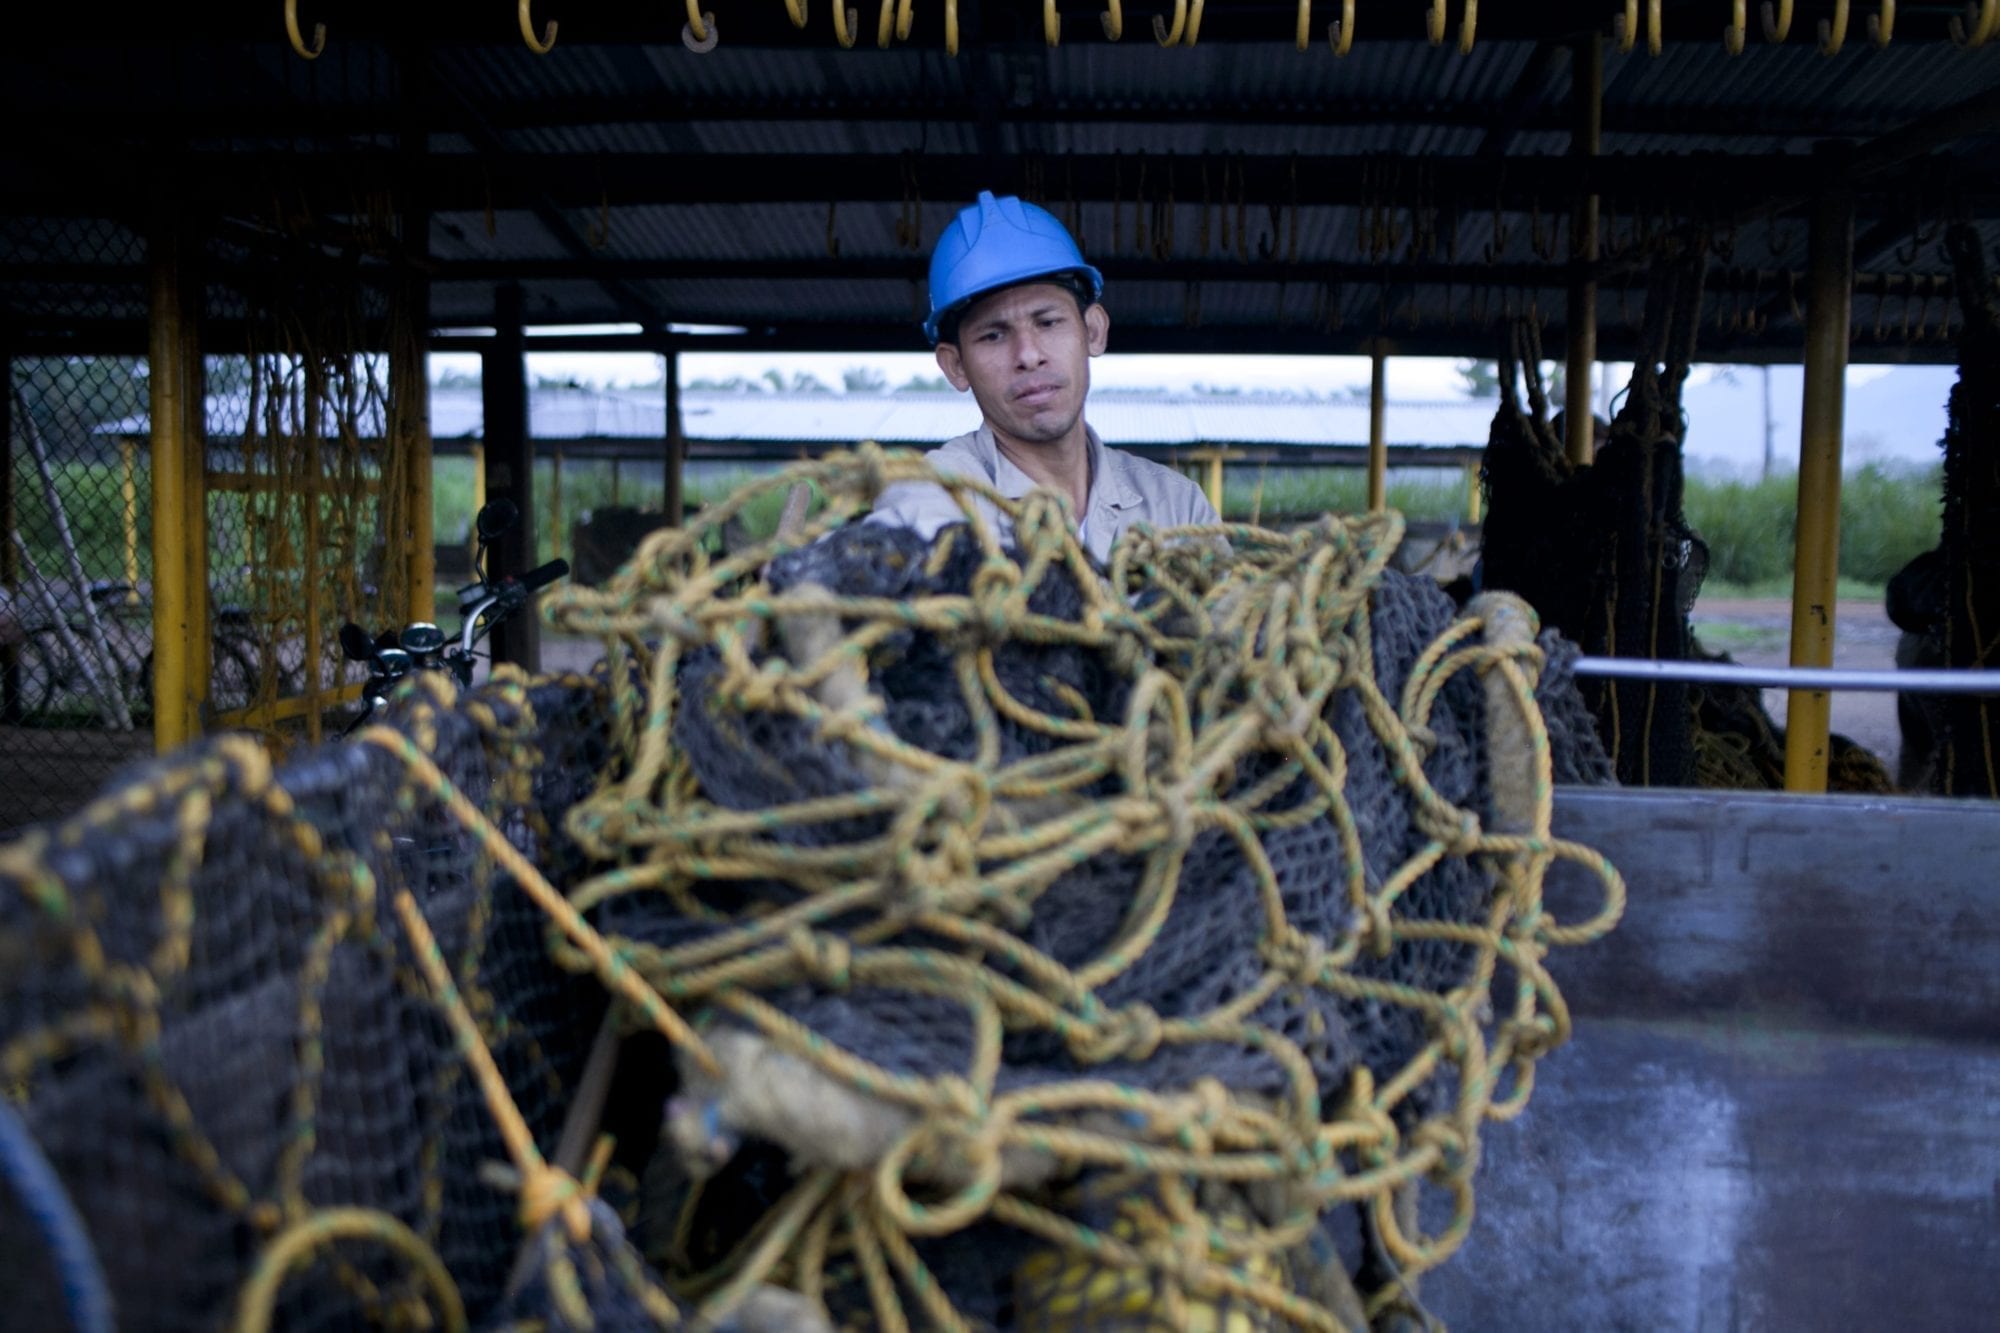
x: 655, y: 102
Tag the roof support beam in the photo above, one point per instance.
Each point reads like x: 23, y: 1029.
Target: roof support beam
x: 546, y: 183
x: 665, y: 107
x: 1464, y: 275
x: 631, y: 304
x: 1774, y: 345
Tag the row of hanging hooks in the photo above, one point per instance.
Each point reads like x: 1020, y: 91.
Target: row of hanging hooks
x: 1979, y: 24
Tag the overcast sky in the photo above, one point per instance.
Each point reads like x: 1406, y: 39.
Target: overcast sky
x: 1893, y: 413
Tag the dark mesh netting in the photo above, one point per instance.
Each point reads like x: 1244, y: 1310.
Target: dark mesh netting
x: 924, y: 931
x: 1968, y: 726
x: 1001, y: 880
x: 1605, y: 554
x: 212, y: 1030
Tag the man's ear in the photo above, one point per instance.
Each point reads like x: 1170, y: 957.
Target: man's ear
x: 953, y: 367
x: 1097, y: 328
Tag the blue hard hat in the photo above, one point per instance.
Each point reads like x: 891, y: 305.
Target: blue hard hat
x: 996, y: 243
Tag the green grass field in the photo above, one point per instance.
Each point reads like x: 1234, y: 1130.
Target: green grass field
x: 1887, y: 515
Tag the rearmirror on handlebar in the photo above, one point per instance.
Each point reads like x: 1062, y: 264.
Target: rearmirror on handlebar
x: 495, y: 518
x: 355, y: 643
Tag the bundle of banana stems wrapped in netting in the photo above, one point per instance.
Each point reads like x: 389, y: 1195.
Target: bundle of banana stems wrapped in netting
x: 971, y: 936
x: 1070, y: 946
x: 1605, y: 554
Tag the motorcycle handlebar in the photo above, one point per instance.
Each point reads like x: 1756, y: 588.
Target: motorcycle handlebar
x: 543, y: 575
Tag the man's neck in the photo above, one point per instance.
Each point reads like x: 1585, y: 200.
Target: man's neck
x: 1061, y: 465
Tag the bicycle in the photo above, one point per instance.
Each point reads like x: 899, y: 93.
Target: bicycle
x: 53, y: 685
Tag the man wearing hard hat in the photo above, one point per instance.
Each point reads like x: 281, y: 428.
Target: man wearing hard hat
x: 1015, y: 317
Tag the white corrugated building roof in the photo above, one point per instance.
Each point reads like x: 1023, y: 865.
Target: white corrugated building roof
x: 924, y: 418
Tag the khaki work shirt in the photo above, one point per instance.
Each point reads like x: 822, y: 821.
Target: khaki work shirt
x: 1124, y: 490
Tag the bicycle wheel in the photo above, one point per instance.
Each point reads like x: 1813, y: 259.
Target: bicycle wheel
x: 234, y: 677
x: 47, y: 674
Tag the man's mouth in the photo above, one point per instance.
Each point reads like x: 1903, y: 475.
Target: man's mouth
x: 1037, y: 395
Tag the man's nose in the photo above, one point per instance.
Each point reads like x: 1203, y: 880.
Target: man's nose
x: 1028, y: 350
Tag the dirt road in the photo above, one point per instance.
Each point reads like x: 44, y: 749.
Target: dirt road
x: 1758, y: 633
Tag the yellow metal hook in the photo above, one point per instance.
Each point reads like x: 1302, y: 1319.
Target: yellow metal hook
x: 797, y: 10
x: 1468, y: 27
x: 705, y: 43
x: 1434, y: 23
x: 1302, y: 37
x: 696, y: 21
x: 951, y: 27
x: 1833, y: 35
x: 1113, y: 19
x: 904, y: 17
x: 1653, y: 35
x: 1051, y: 23
x: 1193, y: 33
x: 1778, y: 25
x: 885, y: 26
x: 1739, y: 27
x: 1882, y: 26
x: 846, y: 23
x: 1160, y: 33
x: 1978, y: 25
x: 1625, y: 28
x: 1340, y: 32
x: 548, y: 38
x: 298, y: 42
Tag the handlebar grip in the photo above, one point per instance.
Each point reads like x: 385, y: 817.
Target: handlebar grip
x: 543, y: 575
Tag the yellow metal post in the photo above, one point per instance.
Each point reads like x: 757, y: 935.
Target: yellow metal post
x: 412, y: 391
x: 1829, y: 311
x: 1580, y: 442
x: 173, y: 616
x: 315, y: 658
x: 1378, y: 431
x: 409, y: 369
x: 129, y: 493
x: 1474, y: 513
x: 1215, y: 465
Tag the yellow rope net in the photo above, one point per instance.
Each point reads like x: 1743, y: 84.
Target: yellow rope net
x: 1247, y: 664
x: 1235, y: 642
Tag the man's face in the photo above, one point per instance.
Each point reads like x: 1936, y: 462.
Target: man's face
x: 1025, y: 354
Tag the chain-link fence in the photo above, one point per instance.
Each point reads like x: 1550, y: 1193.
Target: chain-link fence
x: 299, y: 454
x: 75, y: 698
x: 75, y: 522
